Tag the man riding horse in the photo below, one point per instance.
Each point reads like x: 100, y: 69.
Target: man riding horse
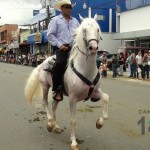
x: 60, y: 34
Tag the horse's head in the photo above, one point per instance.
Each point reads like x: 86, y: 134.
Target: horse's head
x: 90, y: 33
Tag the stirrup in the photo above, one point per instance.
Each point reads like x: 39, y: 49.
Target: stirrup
x: 55, y: 95
x: 95, y: 99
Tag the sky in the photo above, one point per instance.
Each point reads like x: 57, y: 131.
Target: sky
x: 17, y: 11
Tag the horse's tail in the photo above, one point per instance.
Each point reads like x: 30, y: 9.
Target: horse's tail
x: 33, y: 86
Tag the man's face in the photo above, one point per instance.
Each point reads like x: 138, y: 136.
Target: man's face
x: 139, y: 53
x: 66, y: 9
x: 104, y: 54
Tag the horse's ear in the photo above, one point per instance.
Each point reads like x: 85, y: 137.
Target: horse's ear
x: 81, y: 18
x: 95, y: 17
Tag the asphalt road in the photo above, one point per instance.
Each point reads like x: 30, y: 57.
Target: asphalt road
x: 23, y: 127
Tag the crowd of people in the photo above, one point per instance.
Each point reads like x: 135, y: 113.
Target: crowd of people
x: 136, y: 66
x: 22, y: 59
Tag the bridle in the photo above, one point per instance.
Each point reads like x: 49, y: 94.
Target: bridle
x: 87, y: 47
x: 87, y: 43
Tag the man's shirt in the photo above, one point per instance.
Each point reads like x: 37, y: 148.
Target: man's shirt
x: 60, y: 31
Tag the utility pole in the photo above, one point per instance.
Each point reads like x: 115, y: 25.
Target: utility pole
x: 48, y: 14
x: 48, y: 8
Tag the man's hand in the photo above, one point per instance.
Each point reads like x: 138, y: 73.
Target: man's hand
x: 63, y: 47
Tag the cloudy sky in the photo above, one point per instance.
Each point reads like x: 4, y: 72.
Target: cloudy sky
x: 17, y: 11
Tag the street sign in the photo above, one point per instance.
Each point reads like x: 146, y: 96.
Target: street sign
x: 100, y: 17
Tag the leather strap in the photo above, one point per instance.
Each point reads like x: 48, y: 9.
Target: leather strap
x: 84, y: 79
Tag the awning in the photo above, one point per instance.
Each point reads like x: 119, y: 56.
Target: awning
x: 31, y: 38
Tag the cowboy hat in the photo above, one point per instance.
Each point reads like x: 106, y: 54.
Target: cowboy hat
x: 60, y: 3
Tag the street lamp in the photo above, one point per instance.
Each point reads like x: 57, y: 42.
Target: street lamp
x: 84, y: 6
x: 89, y: 9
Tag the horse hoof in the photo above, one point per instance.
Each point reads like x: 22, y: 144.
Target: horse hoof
x: 105, y: 117
x: 58, y: 130
x: 74, y: 147
x: 50, y: 129
x: 99, y: 123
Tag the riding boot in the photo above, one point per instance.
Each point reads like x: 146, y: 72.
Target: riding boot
x: 58, y: 94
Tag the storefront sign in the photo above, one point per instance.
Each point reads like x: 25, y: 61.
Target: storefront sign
x: 38, y: 37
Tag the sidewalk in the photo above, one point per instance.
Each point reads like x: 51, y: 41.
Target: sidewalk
x: 125, y: 75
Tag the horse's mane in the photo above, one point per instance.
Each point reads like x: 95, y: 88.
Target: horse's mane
x: 78, y: 38
x: 74, y: 51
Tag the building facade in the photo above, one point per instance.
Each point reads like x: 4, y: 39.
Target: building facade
x: 133, y: 23
x: 100, y: 7
x: 7, y: 34
x: 24, y: 47
x: 38, y: 36
x: 122, y: 23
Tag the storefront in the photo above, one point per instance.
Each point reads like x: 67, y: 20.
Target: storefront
x: 38, y: 42
x: 24, y: 48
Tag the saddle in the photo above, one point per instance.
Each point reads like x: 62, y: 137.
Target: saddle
x: 49, y: 66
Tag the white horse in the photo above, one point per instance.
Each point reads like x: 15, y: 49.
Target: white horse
x: 81, y: 79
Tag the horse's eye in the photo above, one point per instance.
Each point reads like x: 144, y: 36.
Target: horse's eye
x: 97, y: 30
x: 84, y: 30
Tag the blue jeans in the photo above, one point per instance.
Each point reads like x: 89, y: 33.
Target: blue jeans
x: 146, y: 71
x: 133, y: 70
x: 114, y: 69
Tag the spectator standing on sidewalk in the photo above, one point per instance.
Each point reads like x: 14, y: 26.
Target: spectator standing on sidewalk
x: 38, y: 59
x: 121, y: 63
x: 145, y: 66
x: 149, y: 60
x: 132, y: 62
x: 104, y: 58
x: 103, y: 69
x: 114, y: 66
x: 29, y: 58
x: 128, y: 69
x: 42, y: 57
x: 139, y: 64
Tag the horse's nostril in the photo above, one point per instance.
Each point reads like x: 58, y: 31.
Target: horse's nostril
x: 90, y: 48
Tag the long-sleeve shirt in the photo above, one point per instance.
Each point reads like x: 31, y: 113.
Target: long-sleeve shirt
x: 60, y: 31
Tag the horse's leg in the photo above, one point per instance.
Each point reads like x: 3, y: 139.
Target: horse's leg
x: 45, y: 89
x: 100, y: 121
x: 74, y: 143
x: 56, y: 127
